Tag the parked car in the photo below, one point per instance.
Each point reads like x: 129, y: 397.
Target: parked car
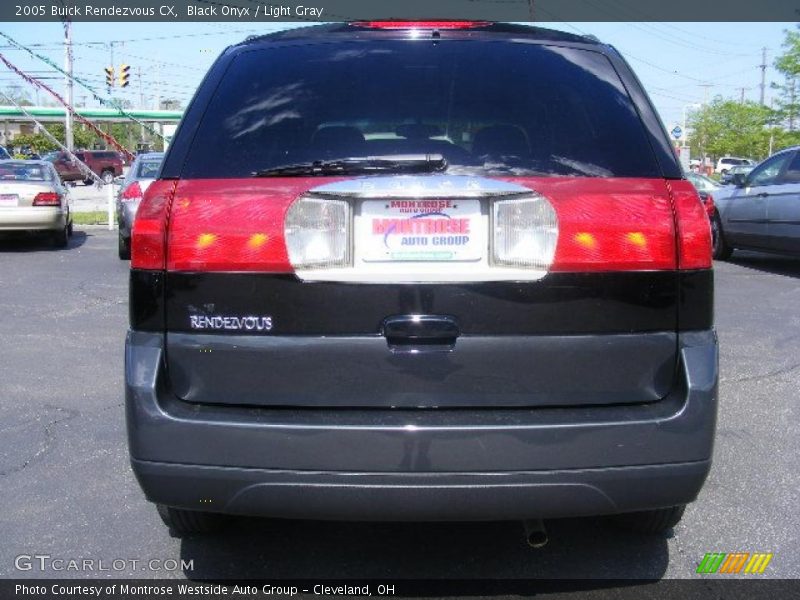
x: 142, y: 173
x: 702, y: 183
x: 4, y: 155
x: 706, y: 188
x: 32, y: 198
x: 727, y: 177
x: 726, y: 162
x: 763, y: 211
x: 509, y: 321
x: 106, y: 164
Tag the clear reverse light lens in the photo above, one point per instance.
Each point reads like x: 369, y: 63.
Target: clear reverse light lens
x: 317, y: 233
x: 525, y: 233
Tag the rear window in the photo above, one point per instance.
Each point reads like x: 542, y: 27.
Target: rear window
x: 21, y: 171
x: 499, y: 108
x: 148, y: 169
x: 99, y: 155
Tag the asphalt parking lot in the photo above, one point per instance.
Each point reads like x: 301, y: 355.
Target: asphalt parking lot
x: 67, y: 491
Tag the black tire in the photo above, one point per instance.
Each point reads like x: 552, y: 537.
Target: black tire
x: 124, y: 248
x: 88, y: 181
x: 720, y: 249
x: 183, y: 522
x: 61, y: 237
x: 107, y: 176
x: 651, y: 521
x: 69, y: 229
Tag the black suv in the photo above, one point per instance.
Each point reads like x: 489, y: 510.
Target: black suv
x: 446, y: 271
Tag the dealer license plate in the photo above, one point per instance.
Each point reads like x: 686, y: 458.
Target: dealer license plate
x: 9, y: 200
x: 420, y: 230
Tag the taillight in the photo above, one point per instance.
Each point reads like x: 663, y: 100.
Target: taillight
x: 47, y: 199
x: 285, y: 225
x: 148, y: 238
x: 694, y: 229
x: 525, y: 232
x: 708, y: 203
x: 421, y: 24
x: 131, y: 192
x: 610, y: 224
x: 232, y: 224
x: 318, y: 233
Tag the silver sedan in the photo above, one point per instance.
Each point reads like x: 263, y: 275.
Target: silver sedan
x: 142, y: 173
x: 32, y: 198
x: 762, y: 210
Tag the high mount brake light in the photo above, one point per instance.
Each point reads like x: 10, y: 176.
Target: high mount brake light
x: 47, y: 199
x: 421, y: 24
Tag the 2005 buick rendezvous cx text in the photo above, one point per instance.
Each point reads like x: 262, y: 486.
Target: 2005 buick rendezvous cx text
x: 421, y: 271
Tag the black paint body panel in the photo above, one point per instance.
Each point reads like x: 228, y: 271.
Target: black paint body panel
x: 561, y: 303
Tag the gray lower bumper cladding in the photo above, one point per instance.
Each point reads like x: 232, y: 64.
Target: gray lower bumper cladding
x: 421, y: 464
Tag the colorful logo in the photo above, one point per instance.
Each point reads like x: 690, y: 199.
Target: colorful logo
x: 735, y: 563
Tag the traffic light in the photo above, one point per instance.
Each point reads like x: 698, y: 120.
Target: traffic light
x: 124, y: 75
x: 109, y: 76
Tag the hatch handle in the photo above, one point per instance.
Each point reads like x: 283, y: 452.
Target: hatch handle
x: 420, y: 333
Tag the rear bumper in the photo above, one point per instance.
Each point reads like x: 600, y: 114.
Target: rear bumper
x: 421, y: 496
x: 422, y: 464
x: 33, y: 218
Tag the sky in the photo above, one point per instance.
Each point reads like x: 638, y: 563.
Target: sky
x: 679, y: 64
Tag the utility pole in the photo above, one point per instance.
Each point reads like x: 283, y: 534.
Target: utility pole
x: 742, y: 91
x: 111, y: 63
x: 141, y: 102
x: 763, y: 67
x: 69, y: 140
x: 706, y: 87
x: 530, y: 5
x: 158, y: 86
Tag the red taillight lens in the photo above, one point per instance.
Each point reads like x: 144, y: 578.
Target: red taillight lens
x: 708, y: 202
x: 421, y: 24
x: 610, y: 224
x: 603, y: 224
x: 232, y: 224
x: 47, y: 199
x: 694, y: 229
x: 148, y: 238
x: 131, y: 192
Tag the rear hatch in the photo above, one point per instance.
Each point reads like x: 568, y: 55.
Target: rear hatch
x: 387, y: 222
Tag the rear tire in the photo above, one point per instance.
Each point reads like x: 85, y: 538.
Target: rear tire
x: 124, y: 248
x: 183, y: 522
x: 61, y: 237
x: 107, y: 176
x: 650, y: 521
x: 720, y: 248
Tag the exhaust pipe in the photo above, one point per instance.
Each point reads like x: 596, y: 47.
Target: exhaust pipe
x: 535, y: 533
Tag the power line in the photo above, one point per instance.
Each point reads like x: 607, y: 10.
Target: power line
x: 67, y: 105
x: 113, y: 103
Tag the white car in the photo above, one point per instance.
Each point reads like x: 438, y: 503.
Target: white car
x: 726, y: 162
x: 32, y: 197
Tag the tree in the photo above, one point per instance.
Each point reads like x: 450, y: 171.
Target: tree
x: 83, y: 137
x: 14, y: 93
x: 726, y: 127
x: 788, y: 64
